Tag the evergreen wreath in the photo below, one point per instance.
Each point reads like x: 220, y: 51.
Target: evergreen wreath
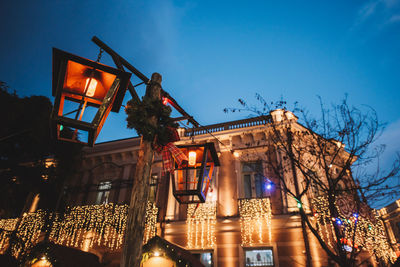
x: 138, y: 119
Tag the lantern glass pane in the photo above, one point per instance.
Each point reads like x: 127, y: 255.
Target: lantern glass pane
x: 80, y: 78
x: 72, y: 109
x: 187, y: 179
x: 67, y: 133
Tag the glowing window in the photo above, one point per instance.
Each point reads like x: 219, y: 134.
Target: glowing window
x: 259, y: 257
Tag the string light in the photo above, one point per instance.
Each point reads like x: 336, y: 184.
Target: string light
x: 201, y: 220
x: 365, y: 228
x: 150, y: 221
x: 255, y: 216
x: 81, y: 226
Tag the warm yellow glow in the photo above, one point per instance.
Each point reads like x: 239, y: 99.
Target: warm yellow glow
x: 201, y: 220
x: 192, y: 158
x: 369, y: 229
x: 34, y: 204
x: 158, y: 261
x: 156, y: 254
x: 43, y: 262
x: 88, y: 239
x: 150, y: 221
x: 255, y: 218
x: 50, y: 163
x: 236, y: 154
x: 90, y: 86
x: 82, y: 227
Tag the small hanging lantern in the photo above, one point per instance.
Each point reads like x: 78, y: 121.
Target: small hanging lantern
x: 85, y: 92
x: 192, y: 179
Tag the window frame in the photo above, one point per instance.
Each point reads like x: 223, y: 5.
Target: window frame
x: 259, y: 170
x: 271, y: 248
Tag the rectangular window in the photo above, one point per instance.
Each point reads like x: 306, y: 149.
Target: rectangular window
x: 103, y: 192
x: 259, y: 257
x: 254, y: 182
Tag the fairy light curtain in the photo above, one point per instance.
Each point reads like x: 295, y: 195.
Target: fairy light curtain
x: 82, y: 227
x: 360, y: 223
x: 201, y: 220
x: 150, y: 221
x: 255, y: 220
x: 100, y: 225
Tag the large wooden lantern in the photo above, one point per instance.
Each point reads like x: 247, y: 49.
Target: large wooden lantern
x: 85, y: 92
x: 192, y: 180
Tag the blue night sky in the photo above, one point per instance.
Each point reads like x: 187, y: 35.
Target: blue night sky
x: 210, y: 53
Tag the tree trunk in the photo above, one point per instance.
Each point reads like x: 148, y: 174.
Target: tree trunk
x: 132, y: 248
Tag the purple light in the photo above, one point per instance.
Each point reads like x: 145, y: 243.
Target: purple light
x: 338, y: 221
x: 269, y: 186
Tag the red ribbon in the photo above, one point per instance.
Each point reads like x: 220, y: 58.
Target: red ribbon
x: 171, y: 154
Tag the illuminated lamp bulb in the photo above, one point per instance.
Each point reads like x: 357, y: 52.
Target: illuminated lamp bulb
x: 236, y: 154
x: 156, y: 253
x: 192, y: 158
x: 299, y: 205
x: 90, y: 86
x: 338, y: 221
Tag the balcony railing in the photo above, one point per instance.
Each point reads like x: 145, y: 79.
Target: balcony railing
x: 262, y: 120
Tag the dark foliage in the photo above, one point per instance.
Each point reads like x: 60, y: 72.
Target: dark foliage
x: 138, y: 114
x: 26, y: 145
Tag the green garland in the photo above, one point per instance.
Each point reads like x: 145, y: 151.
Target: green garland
x: 138, y: 119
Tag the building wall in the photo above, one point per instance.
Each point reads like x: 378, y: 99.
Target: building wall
x: 116, y: 161
x: 391, y: 218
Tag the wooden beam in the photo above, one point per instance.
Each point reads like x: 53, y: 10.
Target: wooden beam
x: 122, y: 61
x: 131, y: 88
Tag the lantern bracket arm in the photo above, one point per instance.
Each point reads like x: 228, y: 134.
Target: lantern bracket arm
x: 120, y: 62
x: 114, y: 54
x: 131, y: 88
x: 180, y: 109
x: 177, y: 119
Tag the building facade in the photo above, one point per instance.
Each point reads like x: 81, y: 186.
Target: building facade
x: 248, y: 218
x: 391, y: 218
